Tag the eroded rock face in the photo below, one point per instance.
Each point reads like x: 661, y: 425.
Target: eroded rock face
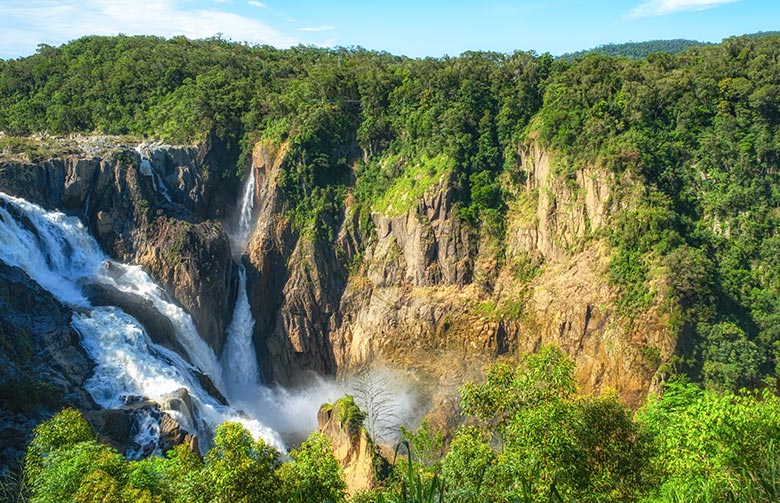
x: 425, y: 247
x: 424, y: 292
x: 155, y: 216
x: 42, y: 365
x: 352, y: 448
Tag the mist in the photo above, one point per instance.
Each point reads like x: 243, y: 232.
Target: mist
x: 386, y: 395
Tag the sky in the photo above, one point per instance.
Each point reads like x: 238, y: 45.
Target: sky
x: 415, y: 28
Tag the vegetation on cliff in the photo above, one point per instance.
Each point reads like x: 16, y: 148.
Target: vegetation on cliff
x: 692, y: 146
x: 695, y: 132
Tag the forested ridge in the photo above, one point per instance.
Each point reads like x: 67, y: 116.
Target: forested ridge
x: 697, y: 132
x: 638, y: 50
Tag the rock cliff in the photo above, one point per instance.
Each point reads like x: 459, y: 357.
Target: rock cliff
x: 352, y: 448
x: 425, y: 292
x: 146, y: 205
x: 42, y: 365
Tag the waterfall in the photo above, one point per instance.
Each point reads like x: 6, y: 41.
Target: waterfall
x: 59, y: 254
x: 239, y: 360
x: 147, y: 169
x: 244, y: 228
x: 133, y: 279
x: 145, y: 436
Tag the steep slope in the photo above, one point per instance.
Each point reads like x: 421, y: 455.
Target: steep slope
x: 421, y: 292
x: 144, y: 205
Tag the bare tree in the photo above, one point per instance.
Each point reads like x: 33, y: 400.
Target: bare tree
x: 372, y: 392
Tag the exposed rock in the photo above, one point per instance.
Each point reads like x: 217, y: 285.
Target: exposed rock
x: 352, y: 448
x: 291, y: 305
x: 425, y: 247
x: 173, y: 430
x: 131, y: 217
x: 112, y: 426
x: 172, y: 434
x: 194, y: 261
x: 422, y: 293
x: 180, y: 402
x: 118, y: 427
x: 42, y: 365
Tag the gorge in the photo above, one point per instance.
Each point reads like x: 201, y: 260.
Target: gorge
x: 242, y: 237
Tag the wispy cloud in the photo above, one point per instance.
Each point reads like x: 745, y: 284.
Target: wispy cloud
x: 255, y: 3
x: 663, y: 7
x: 317, y: 28
x: 26, y: 24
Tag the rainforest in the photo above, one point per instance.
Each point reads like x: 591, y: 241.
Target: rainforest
x: 231, y: 272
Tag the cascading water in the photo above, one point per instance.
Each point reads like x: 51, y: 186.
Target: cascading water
x: 239, y: 361
x: 245, y: 215
x: 147, y: 169
x: 132, y: 279
x: 59, y: 254
x: 145, y: 436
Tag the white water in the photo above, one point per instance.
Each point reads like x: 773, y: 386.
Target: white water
x: 245, y: 215
x: 239, y: 360
x: 133, y: 279
x: 146, y: 440
x: 59, y: 254
x: 147, y: 169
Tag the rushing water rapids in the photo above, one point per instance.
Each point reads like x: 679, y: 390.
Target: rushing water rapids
x: 58, y: 252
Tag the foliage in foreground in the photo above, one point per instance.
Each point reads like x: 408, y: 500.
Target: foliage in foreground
x: 66, y: 463
x: 536, y: 441
x: 531, y: 439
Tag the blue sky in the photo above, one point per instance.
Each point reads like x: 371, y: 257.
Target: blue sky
x: 413, y: 28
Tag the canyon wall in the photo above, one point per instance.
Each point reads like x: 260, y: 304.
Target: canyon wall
x: 423, y: 292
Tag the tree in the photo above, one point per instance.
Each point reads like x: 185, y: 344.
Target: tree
x: 241, y: 469
x: 371, y: 391
x: 313, y: 474
x: 66, y: 429
x: 710, y: 443
x: 549, y: 442
x: 82, y: 472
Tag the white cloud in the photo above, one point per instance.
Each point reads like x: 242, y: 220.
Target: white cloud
x: 24, y: 25
x: 662, y: 7
x: 317, y: 28
x: 254, y: 3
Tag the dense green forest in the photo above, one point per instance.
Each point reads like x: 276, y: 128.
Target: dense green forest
x: 700, y: 130
x: 641, y: 50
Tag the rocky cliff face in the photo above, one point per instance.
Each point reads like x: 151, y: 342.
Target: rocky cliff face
x: 424, y: 292
x: 152, y: 214
x: 42, y: 365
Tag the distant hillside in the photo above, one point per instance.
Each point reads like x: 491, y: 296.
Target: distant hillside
x: 640, y: 50
x: 760, y: 34
x: 637, y: 50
